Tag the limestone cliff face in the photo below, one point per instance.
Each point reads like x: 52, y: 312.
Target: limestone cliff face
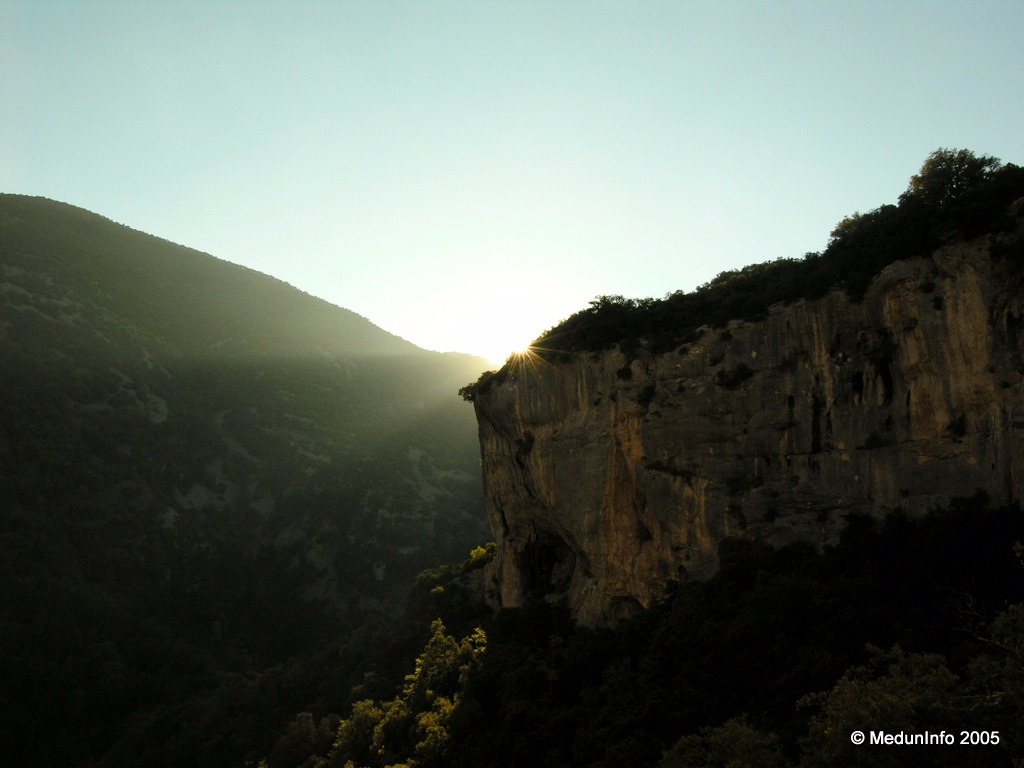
x: 606, y: 477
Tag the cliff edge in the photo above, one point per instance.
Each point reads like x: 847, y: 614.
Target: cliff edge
x: 608, y: 475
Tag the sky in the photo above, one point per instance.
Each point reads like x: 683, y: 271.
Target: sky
x: 468, y: 174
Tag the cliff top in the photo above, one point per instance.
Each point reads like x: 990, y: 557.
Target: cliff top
x: 956, y: 196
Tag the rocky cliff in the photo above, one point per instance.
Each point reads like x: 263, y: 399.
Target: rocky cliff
x: 607, y: 476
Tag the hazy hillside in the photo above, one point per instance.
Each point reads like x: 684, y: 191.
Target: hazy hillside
x: 204, y: 472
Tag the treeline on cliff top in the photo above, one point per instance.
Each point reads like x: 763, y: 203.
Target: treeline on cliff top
x: 957, y: 195
x: 903, y: 626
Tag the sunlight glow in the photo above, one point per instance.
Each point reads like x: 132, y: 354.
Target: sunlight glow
x: 502, y: 351
x: 462, y: 207
x: 530, y: 360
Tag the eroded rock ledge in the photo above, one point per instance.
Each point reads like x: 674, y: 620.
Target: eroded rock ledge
x: 606, y: 477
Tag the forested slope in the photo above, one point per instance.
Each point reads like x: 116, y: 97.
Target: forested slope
x: 205, y: 472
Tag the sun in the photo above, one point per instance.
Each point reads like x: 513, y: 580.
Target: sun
x: 531, y: 359
x: 507, y: 350
x: 520, y: 352
x: 520, y: 356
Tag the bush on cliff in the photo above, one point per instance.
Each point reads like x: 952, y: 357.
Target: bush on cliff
x: 956, y: 195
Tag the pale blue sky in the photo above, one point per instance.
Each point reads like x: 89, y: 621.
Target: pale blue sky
x: 466, y: 174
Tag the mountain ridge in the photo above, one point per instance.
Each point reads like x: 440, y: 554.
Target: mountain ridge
x: 206, y: 472
x: 174, y: 266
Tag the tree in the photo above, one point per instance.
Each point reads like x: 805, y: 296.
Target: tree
x: 734, y: 744
x: 413, y: 726
x: 893, y: 692
x: 355, y: 735
x: 998, y: 677
x: 947, y: 175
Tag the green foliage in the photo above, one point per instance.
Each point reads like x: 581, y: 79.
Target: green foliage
x: 997, y: 676
x: 413, y: 726
x: 192, y: 642
x: 445, y: 574
x: 773, y: 627
x: 894, y: 691
x: 765, y: 664
x: 452, y: 590
x: 206, y: 474
x: 303, y: 737
x: 734, y: 744
x: 1001, y: 671
x: 955, y: 196
x: 948, y: 175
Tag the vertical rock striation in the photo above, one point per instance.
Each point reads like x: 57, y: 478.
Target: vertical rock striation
x: 607, y: 477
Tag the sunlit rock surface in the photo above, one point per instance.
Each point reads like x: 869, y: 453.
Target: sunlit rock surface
x: 607, y: 478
